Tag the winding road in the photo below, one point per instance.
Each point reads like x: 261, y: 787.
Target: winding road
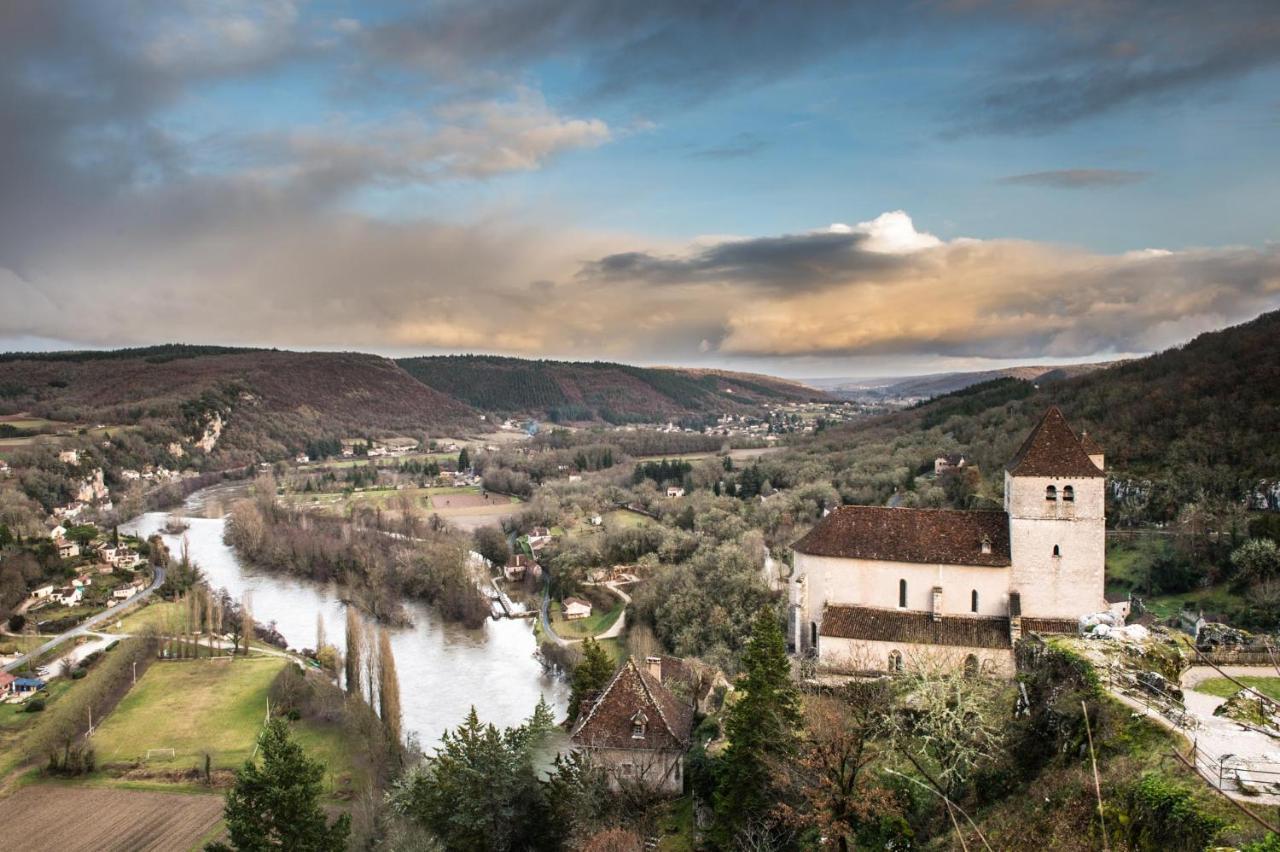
x: 86, y: 626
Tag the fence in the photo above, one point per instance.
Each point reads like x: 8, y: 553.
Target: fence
x: 1228, y: 772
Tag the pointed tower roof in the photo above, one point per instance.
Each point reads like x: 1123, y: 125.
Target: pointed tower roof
x: 1090, y: 446
x: 1052, y: 449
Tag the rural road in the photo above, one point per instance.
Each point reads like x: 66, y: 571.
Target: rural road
x: 88, y: 624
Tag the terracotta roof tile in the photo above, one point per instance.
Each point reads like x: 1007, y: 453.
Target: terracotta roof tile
x: 608, y: 723
x: 934, y: 536
x: 893, y: 625
x: 1052, y: 449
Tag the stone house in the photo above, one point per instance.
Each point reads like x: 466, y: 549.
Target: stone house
x: 878, y: 589
x: 637, y: 729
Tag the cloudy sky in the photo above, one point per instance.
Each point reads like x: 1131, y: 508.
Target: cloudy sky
x: 806, y: 188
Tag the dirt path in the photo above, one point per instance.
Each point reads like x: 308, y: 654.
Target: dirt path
x: 1224, y: 740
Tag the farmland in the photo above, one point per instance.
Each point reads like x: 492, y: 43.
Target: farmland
x: 81, y: 819
x: 466, y: 507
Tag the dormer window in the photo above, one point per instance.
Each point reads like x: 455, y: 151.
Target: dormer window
x: 639, y: 723
x: 1068, y: 493
x: 986, y: 544
x: 1051, y: 493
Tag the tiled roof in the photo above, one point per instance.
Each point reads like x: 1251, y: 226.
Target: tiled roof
x: 608, y: 724
x: 1048, y: 626
x: 893, y: 625
x: 1052, y: 449
x: 1090, y: 446
x: 934, y: 536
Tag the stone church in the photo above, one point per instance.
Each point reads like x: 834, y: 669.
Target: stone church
x: 876, y: 589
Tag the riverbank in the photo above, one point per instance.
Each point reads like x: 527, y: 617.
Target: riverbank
x: 444, y: 669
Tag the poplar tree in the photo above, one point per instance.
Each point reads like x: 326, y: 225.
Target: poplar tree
x: 388, y: 687
x: 353, y: 651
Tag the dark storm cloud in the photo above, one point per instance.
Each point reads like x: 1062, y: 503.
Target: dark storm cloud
x: 1077, y: 178
x: 802, y: 261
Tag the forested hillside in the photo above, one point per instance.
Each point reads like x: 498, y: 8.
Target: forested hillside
x: 271, y: 402
x: 617, y: 393
x: 1199, y: 424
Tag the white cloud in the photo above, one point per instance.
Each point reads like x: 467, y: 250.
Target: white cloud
x: 889, y: 233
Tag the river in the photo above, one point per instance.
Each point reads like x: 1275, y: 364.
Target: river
x: 444, y: 668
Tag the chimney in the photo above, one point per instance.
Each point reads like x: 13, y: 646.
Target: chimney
x: 1015, y: 617
x: 653, y: 665
x: 937, y: 603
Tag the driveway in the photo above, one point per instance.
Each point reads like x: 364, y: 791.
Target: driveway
x: 87, y: 626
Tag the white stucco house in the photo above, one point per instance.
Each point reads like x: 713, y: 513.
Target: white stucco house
x: 878, y: 589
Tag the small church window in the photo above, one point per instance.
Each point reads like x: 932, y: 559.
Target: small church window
x: 1057, y: 551
x: 902, y: 593
x: 813, y: 635
x: 1051, y: 493
x: 895, y: 661
x: 973, y: 601
x: 1068, y: 493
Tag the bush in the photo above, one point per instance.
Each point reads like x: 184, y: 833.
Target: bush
x: 1165, y: 817
x: 35, y: 705
x: 79, y: 673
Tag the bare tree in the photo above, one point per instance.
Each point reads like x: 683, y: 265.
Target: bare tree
x: 388, y: 687
x: 246, y: 617
x: 321, y: 640
x: 354, y: 645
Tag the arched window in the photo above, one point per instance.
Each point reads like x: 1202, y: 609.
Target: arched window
x: 973, y: 601
x: 813, y: 635
x: 1057, y: 551
x: 895, y: 661
x: 902, y: 593
x: 1068, y: 493
x: 971, y: 666
x: 1051, y: 493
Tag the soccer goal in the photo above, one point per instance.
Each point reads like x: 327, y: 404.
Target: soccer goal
x: 163, y: 753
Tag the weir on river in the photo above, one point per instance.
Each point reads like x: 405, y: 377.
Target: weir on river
x: 444, y: 668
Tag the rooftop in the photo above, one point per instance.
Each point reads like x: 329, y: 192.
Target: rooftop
x: 896, y: 625
x: 932, y: 536
x: 1052, y: 449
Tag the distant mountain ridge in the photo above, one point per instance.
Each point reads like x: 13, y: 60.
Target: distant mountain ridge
x: 937, y: 384
x: 618, y: 393
x: 1193, y: 425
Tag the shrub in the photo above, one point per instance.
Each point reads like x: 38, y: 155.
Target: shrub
x: 35, y: 705
x: 79, y: 673
x: 1164, y: 817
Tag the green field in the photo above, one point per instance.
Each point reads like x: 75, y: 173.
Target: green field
x: 20, y: 644
x: 1223, y: 688
x: 200, y: 707
x: 596, y: 623
x: 154, y: 614
x: 627, y: 518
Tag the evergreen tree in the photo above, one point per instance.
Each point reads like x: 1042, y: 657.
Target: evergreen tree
x: 276, y: 805
x: 590, y: 676
x: 761, y: 728
x: 464, y: 460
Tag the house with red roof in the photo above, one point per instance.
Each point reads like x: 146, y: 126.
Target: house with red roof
x: 877, y: 588
x: 637, y: 729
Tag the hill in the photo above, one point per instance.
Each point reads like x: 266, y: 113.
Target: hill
x: 937, y: 384
x: 1197, y: 424
x: 271, y: 402
x: 617, y: 393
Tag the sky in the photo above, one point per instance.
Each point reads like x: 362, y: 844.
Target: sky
x: 806, y: 189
